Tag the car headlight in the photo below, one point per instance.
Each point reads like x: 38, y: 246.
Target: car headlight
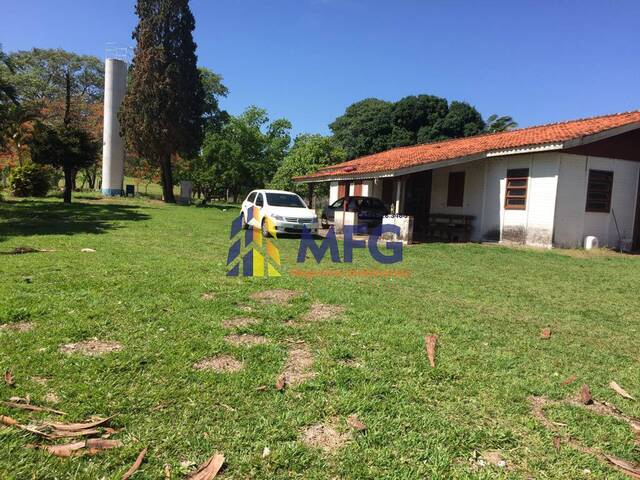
x: 278, y: 217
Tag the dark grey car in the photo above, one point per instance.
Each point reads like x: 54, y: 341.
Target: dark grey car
x: 370, y: 210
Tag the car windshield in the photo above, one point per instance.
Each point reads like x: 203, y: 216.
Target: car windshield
x: 285, y: 200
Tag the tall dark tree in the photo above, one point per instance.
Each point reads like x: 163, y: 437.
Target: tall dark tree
x: 63, y: 146
x: 162, y: 114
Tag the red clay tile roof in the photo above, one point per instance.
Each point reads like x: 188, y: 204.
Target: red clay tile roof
x: 403, y: 157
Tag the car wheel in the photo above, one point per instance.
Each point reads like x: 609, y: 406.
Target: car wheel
x: 265, y: 230
x: 245, y: 225
x: 324, y: 222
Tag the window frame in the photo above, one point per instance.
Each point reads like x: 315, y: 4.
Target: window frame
x: 516, y: 175
x: 606, y: 176
x: 261, y: 197
x: 455, y: 195
x: 251, y: 197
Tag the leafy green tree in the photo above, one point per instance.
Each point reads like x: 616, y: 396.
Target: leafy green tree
x: 243, y: 155
x: 63, y: 146
x: 8, y: 95
x: 500, y: 124
x: 461, y: 120
x: 58, y: 84
x: 213, y: 89
x: 163, y: 112
x: 365, y: 127
x: 373, y: 125
x: 307, y: 155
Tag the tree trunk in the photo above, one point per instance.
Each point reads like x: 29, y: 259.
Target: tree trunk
x: 166, y: 177
x: 68, y: 184
x: 67, y: 103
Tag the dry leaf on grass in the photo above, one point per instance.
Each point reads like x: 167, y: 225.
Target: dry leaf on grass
x: 33, y: 408
x: 545, y: 333
x: 72, y: 434
x: 632, y: 470
x: 136, y: 465
x: 87, y: 250
x: 11, y: 422
x: 354, y: 422
x: 209, y: 469
x: 569, y: 380
x: 556, y: 442
x: 8, y: 378
x: 281, y: 382
x: 430, y: 345
x: 85, y: 447
x: 585, y: 395
x: 78, y: 427
x: 620, y: 391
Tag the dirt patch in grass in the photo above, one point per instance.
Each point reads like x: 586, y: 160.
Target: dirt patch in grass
x: 17, y: 326
x: 246, y: 340
x: 220, y: 364
x: 52, y: 398
x: 208, y: 296
x: 91, y: 348
x: 239, y: 322
x: 275, y: 297
x: 324, y: 437
x: 323, y: 311
x: 298, y: 367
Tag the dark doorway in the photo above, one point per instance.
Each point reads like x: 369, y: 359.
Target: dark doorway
x: 636, y: 224
x: 387, y: 192
x: 417, y: 200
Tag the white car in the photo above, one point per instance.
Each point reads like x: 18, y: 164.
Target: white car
x: 287, y: 211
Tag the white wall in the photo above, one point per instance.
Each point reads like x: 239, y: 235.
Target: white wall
x: 574, y: 223
x: 333, y: 192
x: 533, y: 225
x: 472, y: 199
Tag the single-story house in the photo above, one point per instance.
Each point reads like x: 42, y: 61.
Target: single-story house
x: 549, y: 185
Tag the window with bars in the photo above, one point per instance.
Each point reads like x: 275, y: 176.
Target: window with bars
x: 515, y: 197
x: 599, y: 190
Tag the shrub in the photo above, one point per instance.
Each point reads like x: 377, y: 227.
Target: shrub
x: 30, y: 180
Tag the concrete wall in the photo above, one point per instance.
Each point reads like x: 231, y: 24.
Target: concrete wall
x: 573, y: 223
x: 473, y: 193
x: 333, y: 192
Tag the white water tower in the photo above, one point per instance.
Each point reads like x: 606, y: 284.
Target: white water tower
x: 113, y: 151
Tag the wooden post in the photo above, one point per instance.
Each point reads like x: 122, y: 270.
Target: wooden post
x: 310, y: 193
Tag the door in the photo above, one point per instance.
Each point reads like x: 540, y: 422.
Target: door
x: 417, y: 200
x: 387, y: 192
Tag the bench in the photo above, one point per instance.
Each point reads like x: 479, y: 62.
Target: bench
x: 449, y: 227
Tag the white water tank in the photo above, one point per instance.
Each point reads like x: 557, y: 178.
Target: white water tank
x: 590, y: 242
x: 115, y: 87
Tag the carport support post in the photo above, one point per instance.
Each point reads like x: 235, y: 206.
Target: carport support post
x: 310, y: 195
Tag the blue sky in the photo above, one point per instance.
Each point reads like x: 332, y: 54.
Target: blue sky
x: 307, y: 60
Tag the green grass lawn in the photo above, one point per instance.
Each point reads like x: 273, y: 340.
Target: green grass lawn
x: 142, y: 288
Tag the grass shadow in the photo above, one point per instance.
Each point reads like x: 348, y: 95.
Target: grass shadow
x: 36, y: 217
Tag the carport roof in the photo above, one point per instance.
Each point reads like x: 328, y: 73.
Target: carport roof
x: 568, y: 136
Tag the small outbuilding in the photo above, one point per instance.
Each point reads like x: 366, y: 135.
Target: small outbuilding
x: 549, y: 185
